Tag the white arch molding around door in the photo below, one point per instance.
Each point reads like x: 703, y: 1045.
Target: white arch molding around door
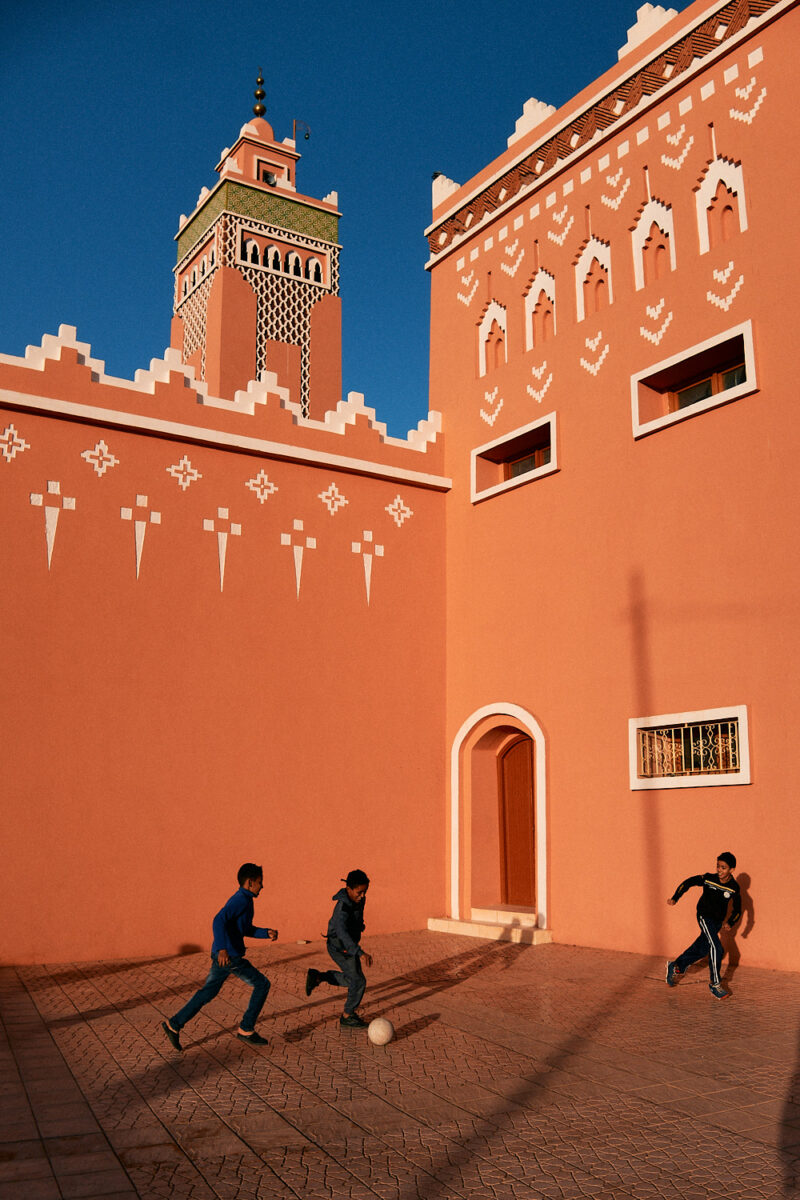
x: 530, y: 726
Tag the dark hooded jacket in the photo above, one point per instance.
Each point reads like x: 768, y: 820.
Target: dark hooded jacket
x: 347, y: 923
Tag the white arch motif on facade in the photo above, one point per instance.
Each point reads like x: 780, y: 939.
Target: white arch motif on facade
x: 542, y: 282
x: 249, y: 247
x: 532, y: 727
x: 594, y: 249
x: 655, y: 212
x: 721, y: 170
x: 293, y: 259
x: 495, y: 312
x: 313, y: 263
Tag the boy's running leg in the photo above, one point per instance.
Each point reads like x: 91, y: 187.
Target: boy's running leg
x: 214, y: 981
x: 260, y: 985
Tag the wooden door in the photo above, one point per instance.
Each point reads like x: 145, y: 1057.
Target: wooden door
x: 517, y: 836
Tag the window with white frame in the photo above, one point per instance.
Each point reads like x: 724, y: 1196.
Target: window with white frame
x: 705, y: 376
x: 709, y: 748
x: 518, y: 457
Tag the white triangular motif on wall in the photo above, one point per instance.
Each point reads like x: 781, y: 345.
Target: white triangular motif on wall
x: 299, y: 546
x: 223, y: 531
x: 51, y: 512
x: 140, y: 525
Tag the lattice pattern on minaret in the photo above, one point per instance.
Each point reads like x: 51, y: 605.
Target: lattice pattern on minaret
x: 194, y: 310
x: 284, y: 301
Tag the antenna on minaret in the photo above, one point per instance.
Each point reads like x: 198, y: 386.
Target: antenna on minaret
x: 259, y: 94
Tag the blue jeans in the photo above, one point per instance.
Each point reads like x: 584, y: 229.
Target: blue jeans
x: 349, y: 975
x: 216, y: 977
x: 707, y: 943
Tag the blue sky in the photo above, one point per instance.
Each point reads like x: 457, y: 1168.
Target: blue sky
x: 114, y: 116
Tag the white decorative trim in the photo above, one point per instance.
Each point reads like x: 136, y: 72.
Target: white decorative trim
x: 336, y: 421
x: 654, y: 313
x: 533, y: 728
x: 495, y: 312
x: 507, y: 484
x: 741, y: 776
x: 592, y: 344
x: 298, y: 548
x: 542, y: 281
x: 100, y: 458
x: 368, y: 550
x: 332, y: 498
x: 221, y: 439
x: 490, y: 415
x: 721, y: 170
x: 655, y: 212
x: 11, y: 444
x: 399, y: 511
x: 183, y: 472
x: 538, y: 394
x: 594, y: 249
x: 261, y: 486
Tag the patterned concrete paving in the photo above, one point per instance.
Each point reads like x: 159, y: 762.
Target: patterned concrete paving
x: 517, y: 1073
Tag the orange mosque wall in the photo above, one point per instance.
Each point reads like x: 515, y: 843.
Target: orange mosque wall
x: 197, y: 637
x: 645, y: 569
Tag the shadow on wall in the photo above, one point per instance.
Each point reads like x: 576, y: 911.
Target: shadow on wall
x: 741, y: 929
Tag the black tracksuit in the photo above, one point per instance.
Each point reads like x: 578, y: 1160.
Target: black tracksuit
x: 712, y: 910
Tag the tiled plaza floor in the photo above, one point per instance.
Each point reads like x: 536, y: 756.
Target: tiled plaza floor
x: 517, y: 1072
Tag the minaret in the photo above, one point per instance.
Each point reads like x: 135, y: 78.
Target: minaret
x: 257, y: 277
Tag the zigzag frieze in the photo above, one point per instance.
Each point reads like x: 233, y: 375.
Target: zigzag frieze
x: 100, y: 407
x: 712, y: 33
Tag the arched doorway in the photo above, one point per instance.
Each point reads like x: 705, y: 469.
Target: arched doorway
x: 498, y: 815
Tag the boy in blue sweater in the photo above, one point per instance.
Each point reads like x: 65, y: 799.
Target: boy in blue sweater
x: 344, y: 934
x: 232, y: 924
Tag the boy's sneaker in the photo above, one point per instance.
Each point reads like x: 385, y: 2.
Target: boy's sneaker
x: 255, y: 1039
x: 718, y: 990
x: 673, y: 974
x: 174, y: 1038
x: 313, y: 979
x: 353, y: 1021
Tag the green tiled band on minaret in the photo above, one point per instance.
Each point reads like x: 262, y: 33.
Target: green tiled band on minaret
x: 261, y: 206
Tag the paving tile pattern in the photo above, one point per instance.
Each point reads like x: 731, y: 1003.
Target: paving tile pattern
x: 517, y: 1073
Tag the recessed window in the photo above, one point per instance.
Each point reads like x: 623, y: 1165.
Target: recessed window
x: 712, y: 373
x: 700, y: 749
x: 516, y: 458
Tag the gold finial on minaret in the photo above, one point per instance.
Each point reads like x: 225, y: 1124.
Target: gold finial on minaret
x: 259, y: 94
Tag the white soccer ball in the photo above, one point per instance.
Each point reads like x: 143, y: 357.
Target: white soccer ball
x: 380, y: 1031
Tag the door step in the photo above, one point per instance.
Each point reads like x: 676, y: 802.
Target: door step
x: 497, y: 925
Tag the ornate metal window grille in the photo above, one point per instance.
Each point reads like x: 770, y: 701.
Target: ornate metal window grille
x: 701, y: 748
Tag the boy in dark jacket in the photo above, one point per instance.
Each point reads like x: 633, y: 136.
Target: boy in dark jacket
x: 232, y: 924
x: 344, y: 935
x: 720, y: 892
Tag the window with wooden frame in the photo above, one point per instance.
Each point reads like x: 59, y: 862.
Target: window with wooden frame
x: 517, y: 457
x: 705, y: 376
x: 699, y: 749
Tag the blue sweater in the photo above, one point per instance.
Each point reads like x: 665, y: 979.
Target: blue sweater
x: 234, y: 922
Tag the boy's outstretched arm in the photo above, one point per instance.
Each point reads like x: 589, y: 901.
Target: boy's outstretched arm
x: 692, y: 881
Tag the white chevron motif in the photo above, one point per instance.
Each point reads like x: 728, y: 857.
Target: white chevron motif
x: 615, y: 201
x: 592, y: 344
x: 747, y: 117
x: 674, y: 139
x: 467, y: 280
x: 538, y: 394
x: 511, y: 251
x: 490, y: 398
